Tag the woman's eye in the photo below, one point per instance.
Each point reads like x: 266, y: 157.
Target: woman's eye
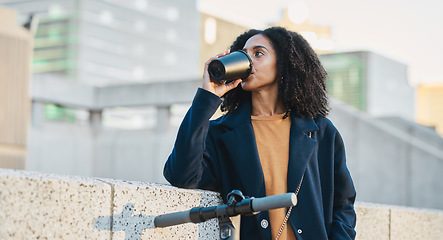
x: 258, y: 54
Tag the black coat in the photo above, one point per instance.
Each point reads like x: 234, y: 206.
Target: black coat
x: 221, y: 155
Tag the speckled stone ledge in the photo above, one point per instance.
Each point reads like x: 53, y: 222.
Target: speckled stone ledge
x: 377, y: 221
x: 48, y: 206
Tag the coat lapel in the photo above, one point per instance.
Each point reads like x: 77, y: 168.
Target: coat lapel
x: 301, y: 148
x: 242, y: 151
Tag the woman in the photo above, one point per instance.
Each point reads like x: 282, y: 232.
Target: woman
x: 274, y: 139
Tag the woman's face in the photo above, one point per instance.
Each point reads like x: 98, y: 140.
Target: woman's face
x: 264, y: 72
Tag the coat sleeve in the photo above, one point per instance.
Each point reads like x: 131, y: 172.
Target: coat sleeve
x: 189, y: 164
x: 344, y: 217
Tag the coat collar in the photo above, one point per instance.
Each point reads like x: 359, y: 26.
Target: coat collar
x: 242, y: 115
x: 242, y: 149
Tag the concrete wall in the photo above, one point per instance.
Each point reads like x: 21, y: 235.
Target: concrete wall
x: 111, y: 153
x: 391, y: 164
x: 48, y: 206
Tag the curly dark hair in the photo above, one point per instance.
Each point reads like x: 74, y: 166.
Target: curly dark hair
x: 302, y: 86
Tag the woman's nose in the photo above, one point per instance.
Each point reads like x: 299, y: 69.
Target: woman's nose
x: 250, y: 56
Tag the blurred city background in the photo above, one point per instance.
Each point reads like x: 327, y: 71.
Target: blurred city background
x: 99, y: 87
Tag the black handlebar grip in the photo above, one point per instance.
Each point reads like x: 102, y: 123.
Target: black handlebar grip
x: 172, y: 219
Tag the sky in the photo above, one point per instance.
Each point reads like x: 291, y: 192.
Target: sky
x: 408, y: 31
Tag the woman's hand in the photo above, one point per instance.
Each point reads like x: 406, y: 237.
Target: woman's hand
x: 216, y: 87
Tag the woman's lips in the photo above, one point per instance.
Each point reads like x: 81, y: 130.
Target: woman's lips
x: 248, y: 76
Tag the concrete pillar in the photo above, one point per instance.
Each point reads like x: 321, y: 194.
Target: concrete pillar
x: 95, y: 121
x: 38, y: 115
x: 163, y: 115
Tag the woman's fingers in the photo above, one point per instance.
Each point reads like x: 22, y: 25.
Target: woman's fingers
x: 233, y: 84
x: 221, y: 89
x: 217, y: 56
x: 217, y: 87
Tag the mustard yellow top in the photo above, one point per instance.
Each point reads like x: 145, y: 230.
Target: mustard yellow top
x: 272, y: 137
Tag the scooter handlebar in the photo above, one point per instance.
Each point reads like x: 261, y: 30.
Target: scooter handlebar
x: 272, y: 202
x: 246, y: 206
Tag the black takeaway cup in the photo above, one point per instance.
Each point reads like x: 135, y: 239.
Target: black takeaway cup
x: 230, y: 67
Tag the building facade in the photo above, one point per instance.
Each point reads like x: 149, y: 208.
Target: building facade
x: 15, y: 72
x: 370, y: 82
x: 113, y: 41
x: 429, y: 105
x: 318, y: 36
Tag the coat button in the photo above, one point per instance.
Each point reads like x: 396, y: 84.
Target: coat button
x: 299, y: 231
x: 264, y: 223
